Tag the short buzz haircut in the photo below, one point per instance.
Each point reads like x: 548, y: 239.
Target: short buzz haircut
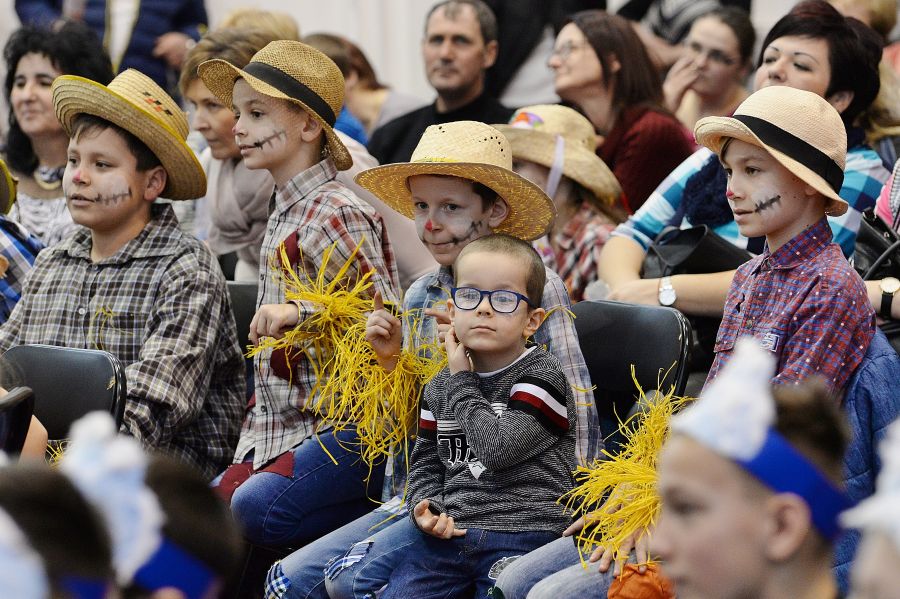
x: 507, y: 245
x: 487, y: 21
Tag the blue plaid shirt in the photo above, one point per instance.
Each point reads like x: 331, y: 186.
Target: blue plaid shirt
x: 864, y: 176
x: 20, y: 249
x: 804, y: 303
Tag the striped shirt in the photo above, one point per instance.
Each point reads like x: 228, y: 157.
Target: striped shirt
x: 160, y: 306
x: 20, y: 249
x: 864, y: 176
x: 496, y: 450
x: 312, y: 213
x: 806, y: 304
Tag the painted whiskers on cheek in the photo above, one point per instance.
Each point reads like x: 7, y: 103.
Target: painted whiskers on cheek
x: 474, y: 230
x: 270, y: 139
x: 766, y: 204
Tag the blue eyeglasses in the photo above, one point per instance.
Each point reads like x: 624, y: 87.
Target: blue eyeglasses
x: 502, y: 301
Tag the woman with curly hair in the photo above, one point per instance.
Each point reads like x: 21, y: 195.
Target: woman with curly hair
x: 36, y: 145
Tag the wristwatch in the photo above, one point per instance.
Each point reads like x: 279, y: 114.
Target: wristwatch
x: 667, y: 295
x: 889, y: 287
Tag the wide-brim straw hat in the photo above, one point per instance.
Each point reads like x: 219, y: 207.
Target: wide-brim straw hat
x: 138, y: 105
x: 800, y: 129
x: 469, y: 150
x: 7, y: 188
x: 534, y: 131
x: 292, y: 71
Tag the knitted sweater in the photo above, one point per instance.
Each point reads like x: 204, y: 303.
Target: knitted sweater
x: 496, y: 450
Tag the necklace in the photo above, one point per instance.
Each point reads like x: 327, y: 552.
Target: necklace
x: 49, y: 177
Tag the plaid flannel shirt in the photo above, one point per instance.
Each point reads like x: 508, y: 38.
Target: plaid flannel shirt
x: 312, y: 213
x: 160, y: 306
x: 806, y: 304
x: 580, y: 243
x: 20, y: 249
x: 557, y: 335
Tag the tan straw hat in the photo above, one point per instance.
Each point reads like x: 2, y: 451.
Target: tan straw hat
x: 7, y: 188
x: 135, y: 103
x: 291, y: 71
x: 537, y: 133
x: 469, y: 150
x: 800, y: 129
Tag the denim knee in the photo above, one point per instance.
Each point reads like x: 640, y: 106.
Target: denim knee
x: 252, y: 511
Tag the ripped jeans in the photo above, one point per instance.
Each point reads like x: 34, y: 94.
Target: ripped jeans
x: 351, y: 562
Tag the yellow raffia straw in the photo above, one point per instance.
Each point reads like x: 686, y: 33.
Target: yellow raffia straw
x: 628, y: 478
x: 351, y: 389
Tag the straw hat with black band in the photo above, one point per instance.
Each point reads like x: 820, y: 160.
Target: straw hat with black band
x: 7, y: 188
x: 469, y: 150
x: 135, y: 103
x: 800, y: 129
x: 558, y: 137
x: 291, y: 71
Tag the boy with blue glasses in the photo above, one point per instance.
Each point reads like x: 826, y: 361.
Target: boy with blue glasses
x: 496, y: 439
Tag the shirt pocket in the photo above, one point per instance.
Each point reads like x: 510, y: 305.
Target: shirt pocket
x: 730, y: 327
x: 119, y: 332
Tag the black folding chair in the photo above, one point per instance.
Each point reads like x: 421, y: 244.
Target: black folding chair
x: 243, y: 306
x: 68, y: 383
x: 614, y: 336
x: 16, y: 408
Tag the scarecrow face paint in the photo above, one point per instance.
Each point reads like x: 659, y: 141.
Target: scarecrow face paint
x: 103, y: 188
x: 710, y: 532
x: 765, y: 197
x: 261, y: 129
x: 448, y: 214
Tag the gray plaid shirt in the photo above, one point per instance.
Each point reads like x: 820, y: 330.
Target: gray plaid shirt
x: 160, y: 306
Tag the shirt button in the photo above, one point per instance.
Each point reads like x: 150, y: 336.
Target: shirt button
x: 749, y: 323
x: 263, y: 409
x: 82, y: 311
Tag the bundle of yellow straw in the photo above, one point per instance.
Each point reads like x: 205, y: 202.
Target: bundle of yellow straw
x: 351, y: 389
x: 625, y: 482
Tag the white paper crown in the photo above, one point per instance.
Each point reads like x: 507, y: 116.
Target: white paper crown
x: 881, y: 511
x: 22, y: 573
x: 109, y: 469
x: 735, y: 411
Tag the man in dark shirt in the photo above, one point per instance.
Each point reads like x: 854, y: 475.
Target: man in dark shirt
x: 460, y: 45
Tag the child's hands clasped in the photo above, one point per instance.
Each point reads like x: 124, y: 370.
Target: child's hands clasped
x: 441, y: 526
x: 457, y: 355
x: 384, y: 333
x: 272, y: 320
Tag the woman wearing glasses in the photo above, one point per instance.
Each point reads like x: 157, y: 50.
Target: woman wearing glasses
x: 602, y: 67
x: 709, y: 79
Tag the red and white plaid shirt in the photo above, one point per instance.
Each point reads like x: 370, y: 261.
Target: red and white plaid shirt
x: 310, y: 214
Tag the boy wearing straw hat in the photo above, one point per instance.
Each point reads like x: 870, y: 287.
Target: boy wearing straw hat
x: 287, y: 488
x: 130, y: 282
x: 784, y: 153
x: 458, y: 187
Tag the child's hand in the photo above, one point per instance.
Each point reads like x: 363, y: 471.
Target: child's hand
x: 271, y: 320
x: 384, y: 332
x: 457, y: 355
x: 443, y: 321
x: 441, y: 526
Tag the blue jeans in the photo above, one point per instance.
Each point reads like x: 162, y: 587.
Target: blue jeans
x: 285, y: 511
x: 301, y: 575
x: 449, y: 568
x: 552, y: 572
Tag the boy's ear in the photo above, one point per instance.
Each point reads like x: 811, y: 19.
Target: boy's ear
x: 840, y: 100
x: 499, y: 211
x: 535, y: 319
x: 156, y: 179
x: 451, y: 309
x: 311, y: 129
x: 789, y: 525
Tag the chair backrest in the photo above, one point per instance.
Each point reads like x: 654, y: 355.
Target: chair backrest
x: 69, y: 383
x: 243, y: 306
x: 16, y: 407
x: 614, y: 336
